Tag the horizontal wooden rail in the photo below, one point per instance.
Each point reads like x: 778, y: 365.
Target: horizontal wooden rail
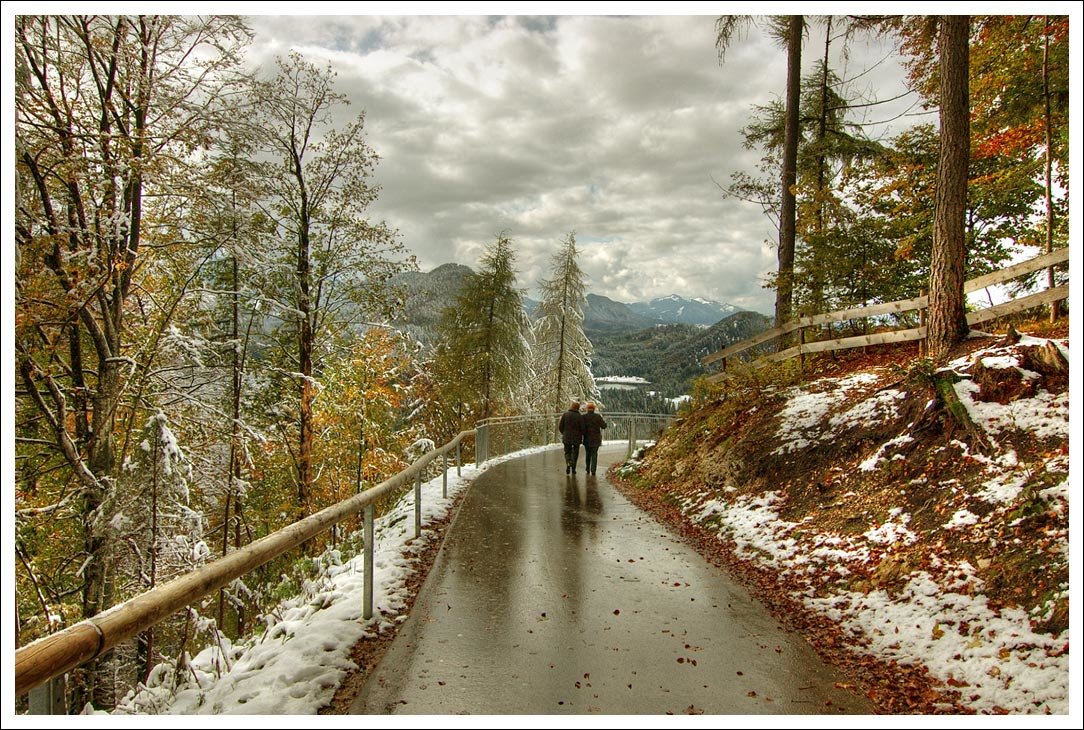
x: 1019, y: 305
x: 1001, y: 276
x: 744, y: 345
x: 874, y: 310
x: 841, y: 343
x: 1058, y: 256
x: 65, y: 650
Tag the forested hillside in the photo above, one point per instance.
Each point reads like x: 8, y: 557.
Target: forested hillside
x: 669, y: 356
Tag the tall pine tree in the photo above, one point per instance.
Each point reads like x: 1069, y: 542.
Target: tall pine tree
x: 562, y: 352
x: 483, y: 359
x: 947, y: 323
x: 788, y: 30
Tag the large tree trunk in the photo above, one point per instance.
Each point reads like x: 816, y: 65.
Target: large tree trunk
x: 98, y: 587
x: 1048, y: 163
x: 304, y: 468
x: 784, y: 294
x: 947, y: 322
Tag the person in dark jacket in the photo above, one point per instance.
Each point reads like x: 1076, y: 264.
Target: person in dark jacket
x: 571, y: 428
x: 592, y: 437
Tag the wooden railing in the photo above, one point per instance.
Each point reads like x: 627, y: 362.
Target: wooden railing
x: 800, y: 324
x: 65, y: 650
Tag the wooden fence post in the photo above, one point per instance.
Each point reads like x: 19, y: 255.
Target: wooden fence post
x: 922, y: 323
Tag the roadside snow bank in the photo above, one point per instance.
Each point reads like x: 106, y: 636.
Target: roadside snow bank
x: 295, y: 665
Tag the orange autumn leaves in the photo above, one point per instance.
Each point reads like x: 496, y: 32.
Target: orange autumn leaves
x: 363, y: 404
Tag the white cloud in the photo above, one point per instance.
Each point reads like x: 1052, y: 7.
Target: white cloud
x: 615, y: 127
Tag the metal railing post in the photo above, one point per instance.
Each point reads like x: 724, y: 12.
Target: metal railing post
x: 367, y: 607
x: 48, y: 698
x: 444, y: 474
x: 418, y: 505
x: 459, y: 457
x: 632, y: 437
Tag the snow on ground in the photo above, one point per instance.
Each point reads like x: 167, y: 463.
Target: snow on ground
x: 993, y: 656
x: 295, y: 665
x: 805, y: 410
x: 1046, y: 415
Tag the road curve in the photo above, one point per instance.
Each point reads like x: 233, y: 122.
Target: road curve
x: 555, y: 595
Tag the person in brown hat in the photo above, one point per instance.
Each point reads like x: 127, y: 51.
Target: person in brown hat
x: 592, y: 437
x: 571, y: 428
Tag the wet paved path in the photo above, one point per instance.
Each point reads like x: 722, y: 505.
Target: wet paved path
x: 554, y: 594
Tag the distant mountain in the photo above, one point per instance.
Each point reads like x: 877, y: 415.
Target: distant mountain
x: 679, y: 310
x: 661, y: 340
x: 603, y: 315
x: 426, y: 294
x: 724, y: 333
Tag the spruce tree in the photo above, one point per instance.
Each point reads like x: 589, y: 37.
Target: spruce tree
x: 562, y: 352
x: 483, y: 360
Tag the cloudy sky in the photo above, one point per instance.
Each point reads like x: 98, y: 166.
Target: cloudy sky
x: 615, y: 127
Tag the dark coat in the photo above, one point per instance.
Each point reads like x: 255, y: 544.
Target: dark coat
x: 592, y: 429
x: 571, y: 427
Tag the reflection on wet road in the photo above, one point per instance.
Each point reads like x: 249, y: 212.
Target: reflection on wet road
x: 553, y: 594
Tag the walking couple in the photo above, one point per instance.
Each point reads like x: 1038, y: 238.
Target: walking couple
x: 577, y: 428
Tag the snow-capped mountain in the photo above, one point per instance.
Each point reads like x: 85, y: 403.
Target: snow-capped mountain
x: 426, y: 294
x: 679, y: 310
x: 602, y: 314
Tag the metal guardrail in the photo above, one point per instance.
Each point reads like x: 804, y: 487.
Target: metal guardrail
x: 39, y: 662
x: 505, y: 434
